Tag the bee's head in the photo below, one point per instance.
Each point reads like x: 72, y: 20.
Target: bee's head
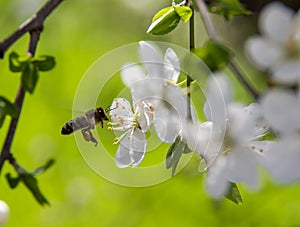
x: 102, y: 113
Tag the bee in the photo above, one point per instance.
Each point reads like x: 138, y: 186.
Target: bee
x: 85, y: 123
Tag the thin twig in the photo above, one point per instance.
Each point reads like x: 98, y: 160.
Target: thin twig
x: 209, y: 26
x: 36, y: 22
x: 213, y: 35
x: 34, y: 26
x: 238, y: 73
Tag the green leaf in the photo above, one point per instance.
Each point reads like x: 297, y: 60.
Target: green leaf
x: 234, y: 194
x: 184, y: 12
x: 29, y: 77
x: 43, y: 168
x: 164, y: 21
x: 44, y: 62
x: 18, y: 63
x: 32, y: 184
x: 12, y: 181
x: 174, y: 154
x: 170, y: 153
x: 228, y: 8
x: 214, y: 54
x: 6, y: 108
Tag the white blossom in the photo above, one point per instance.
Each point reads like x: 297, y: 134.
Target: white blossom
x: 282, y: 110
x: 233, y: 149
x: 133, y: 123
x: 157, y: 86
x: 278, y: 48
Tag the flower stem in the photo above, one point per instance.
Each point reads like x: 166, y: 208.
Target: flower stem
x: 211, y: 31
x: 191, y: 47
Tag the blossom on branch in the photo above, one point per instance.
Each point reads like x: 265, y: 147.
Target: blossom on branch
x: 278, y: 48
x: 133, y: 123
x: 157, y: 86
x: 281, y: 110
x: 233, y: 148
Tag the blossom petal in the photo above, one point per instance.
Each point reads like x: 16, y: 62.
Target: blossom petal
x: 122, y: 157
x: 167, y: 123
x: 254, y: 111
x: 170, y: 112
x: 243, y: 167
x: 146, y: 113
x: 263, y: 52
x: 283, y: 159
x: 241, y: 125
x: 172, y: 66
x: 287, y: 73
x: 216, y: 179
x: 147, y: 89
x: 151, y: 59
x: 259, y: 147
x: 218, y: 95
x: 121, y: 113
x: 197, y: 136
x: 275, y: 21
x: 132, y: 149
x: 138, y: 145
x: 131, y: 73
x: 281, y: 110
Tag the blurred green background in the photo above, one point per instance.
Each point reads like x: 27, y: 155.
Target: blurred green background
x: 77, y: 34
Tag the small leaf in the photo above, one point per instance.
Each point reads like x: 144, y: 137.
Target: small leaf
x: 169, y: 157
x: 187, y: 150
x: 228, y: 8
x: 18, y: 63
x: 29, y: 77
x: 12, y: 181
x: 43, y: 168
x: 184, y: 12
x: 32, y: 184
x: 214, y: 54
x: 234, y: 194
x: 164, y: 21
x: 6, y: 108
x: 44, y: 62
x: 174, y: 154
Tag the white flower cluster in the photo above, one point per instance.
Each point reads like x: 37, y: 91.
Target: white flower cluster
x: 232, y: 142
x: 156, y: 99
x: 278, y: 52
x: 229, y: 142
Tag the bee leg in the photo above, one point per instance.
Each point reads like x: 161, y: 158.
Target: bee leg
x: 88, y: 136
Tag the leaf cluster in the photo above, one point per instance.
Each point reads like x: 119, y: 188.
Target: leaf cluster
x: 167, y: 19
x: 29, y: 180
x: 30, y: 67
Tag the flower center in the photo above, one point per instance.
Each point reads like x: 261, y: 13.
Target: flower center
x: 292, y: 48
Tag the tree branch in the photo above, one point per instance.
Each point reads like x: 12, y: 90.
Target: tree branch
x: 34, y: 26
x: 36, y: 22
x: 213, y: 35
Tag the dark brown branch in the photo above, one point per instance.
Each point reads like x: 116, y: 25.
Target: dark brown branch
x: 6, y: 154
x: 36, y: 22
x: 34, y: 26
x: 238, y: 74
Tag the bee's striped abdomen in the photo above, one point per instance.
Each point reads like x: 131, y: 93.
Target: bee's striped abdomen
x: 74, y: 125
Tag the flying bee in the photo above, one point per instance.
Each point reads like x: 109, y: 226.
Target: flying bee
x: 85, y: 123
